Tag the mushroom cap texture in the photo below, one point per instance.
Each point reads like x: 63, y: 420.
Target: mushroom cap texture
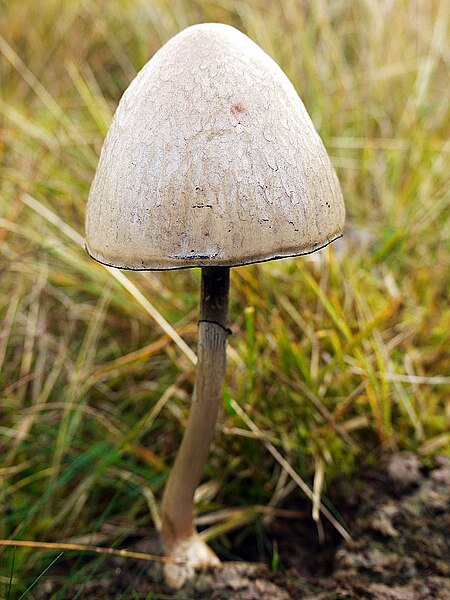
x: 211, y: 159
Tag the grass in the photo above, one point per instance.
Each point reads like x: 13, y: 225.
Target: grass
x: 335, y: 358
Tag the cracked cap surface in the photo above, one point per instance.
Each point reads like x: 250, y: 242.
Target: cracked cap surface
x: 211, y: 159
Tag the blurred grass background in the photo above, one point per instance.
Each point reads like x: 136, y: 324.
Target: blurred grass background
x: 336, y: 357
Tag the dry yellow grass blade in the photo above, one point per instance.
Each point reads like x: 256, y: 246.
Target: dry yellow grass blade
x: 93, y: 549
x: 289, y: 469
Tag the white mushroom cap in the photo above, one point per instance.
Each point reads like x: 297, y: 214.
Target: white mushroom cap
x: 211, y: 159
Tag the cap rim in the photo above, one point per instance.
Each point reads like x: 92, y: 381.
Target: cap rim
x: 174, y: 264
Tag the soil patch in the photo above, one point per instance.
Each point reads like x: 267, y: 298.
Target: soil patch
x: 399, y: 519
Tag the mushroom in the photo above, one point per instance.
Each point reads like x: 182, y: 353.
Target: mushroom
x: 211, y: 161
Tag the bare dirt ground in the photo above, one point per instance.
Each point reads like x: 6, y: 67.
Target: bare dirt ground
x: 399, y: 519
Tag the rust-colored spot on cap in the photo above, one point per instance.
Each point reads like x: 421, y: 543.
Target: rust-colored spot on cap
x: 238, y: 109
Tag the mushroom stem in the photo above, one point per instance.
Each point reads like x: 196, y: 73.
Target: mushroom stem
x: 178, y: 533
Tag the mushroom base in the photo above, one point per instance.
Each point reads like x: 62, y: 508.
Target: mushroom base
x: 194, y: 554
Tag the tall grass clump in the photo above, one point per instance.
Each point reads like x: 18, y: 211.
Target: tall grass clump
x: 335, y: 358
